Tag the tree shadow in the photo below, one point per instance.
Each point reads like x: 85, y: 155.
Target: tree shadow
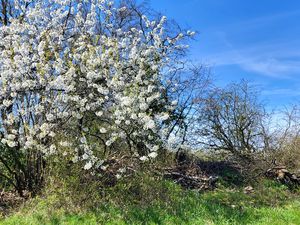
x: 228, y: 172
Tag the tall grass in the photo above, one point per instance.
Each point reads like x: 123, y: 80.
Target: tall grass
x: 148, y: 201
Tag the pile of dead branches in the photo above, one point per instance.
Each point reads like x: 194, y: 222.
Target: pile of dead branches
x: 190, y: 176
x: 283, y: 175
x: 9, y: 200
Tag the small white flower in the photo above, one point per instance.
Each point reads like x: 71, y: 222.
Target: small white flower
x: 64, y: 143
x: 52, y: 134
x: 7, y: 103
x: 165, y: 116
x: 11, y: 143
x: 150, y: 137
x: 175, y: 102
x: 11, y: 137
x: 134, y: 116
x: 191, y: 33
x: 85, y: 156
x: 122, y: 170
x: 144, y: 158
x: 88, y: 165
x: 103, y: 130
x: 104, y: 167
x: 150, y: 124
x: 108, y: 143
x: 143, y: 106
x: 75, y: 159
x: 126, y: 101
x: 50, y: 117
x: 52, y: 149
x: 153, y: 155
x: 99, y: 113
x: 155, y: 148
x: 83, y: 140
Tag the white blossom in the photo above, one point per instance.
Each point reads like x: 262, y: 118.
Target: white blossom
x: 152, y: 155
x: 88, y: 165
x: 59, y: 77
x: 103, y: 130
x: 144, y: 158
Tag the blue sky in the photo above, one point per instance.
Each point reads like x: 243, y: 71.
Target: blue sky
x: 257, y: 40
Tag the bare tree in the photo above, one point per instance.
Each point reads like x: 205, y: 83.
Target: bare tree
x: 187, y: 86
x: 232, y: 121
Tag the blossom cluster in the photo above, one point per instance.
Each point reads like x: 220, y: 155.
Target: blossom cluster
x: 67, y: 70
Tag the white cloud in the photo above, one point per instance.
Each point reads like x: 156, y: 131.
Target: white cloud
x: 274, y: 56
x: 273, y: 67
x: 269, y: 60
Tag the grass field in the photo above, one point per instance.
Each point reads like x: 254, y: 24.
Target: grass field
x: 271, y: 203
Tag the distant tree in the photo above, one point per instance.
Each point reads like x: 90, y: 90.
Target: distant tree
x: 286, y: 136
x: 232, y: 120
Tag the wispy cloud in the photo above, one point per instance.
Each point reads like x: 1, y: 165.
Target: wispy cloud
x: 284, y: 92
x: 273, y: 56
x: 273, y: 67
x: 280, y: 66
x: 273, y: 59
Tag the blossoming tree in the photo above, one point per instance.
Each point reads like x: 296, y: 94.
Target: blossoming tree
x: 80, y: 78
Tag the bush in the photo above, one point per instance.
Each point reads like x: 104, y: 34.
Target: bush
x: 289, y: 154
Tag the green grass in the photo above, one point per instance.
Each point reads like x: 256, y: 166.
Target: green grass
x: 166, y: 203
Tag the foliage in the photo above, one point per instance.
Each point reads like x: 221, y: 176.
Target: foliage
x: 20, y: 171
